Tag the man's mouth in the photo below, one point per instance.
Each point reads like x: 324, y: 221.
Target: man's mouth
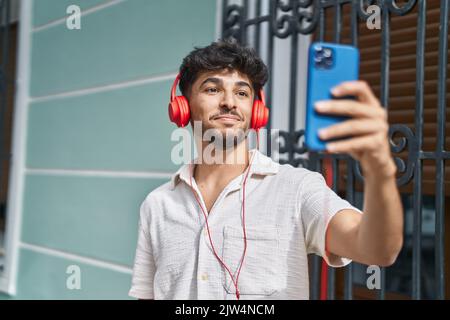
x: 227, y: 117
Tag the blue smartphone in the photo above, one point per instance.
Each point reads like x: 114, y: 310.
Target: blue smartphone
x: 329, y: 64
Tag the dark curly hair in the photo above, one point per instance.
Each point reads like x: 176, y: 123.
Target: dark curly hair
x: 219, y: 55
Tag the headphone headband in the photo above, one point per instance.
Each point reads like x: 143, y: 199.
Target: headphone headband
x: 174, y: 87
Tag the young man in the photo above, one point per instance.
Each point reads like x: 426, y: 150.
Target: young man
x: 242, y: 230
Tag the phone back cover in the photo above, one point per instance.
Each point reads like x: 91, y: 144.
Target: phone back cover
x: 320, y: 82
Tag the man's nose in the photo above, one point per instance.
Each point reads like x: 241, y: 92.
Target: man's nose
x: 228, y: 101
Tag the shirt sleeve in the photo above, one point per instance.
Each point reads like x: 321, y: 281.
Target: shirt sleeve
x: 144, y: 265
x: 319, y: 204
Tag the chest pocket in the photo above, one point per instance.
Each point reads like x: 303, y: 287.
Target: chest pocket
x: 261, y: 266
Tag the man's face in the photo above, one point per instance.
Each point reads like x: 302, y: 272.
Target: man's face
x: 222, y: 101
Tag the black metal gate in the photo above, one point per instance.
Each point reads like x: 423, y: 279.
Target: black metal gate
x: 286, y: 20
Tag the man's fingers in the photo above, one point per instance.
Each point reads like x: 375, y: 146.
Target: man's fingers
x: 358, y: 88
x: 353, y: 127
x: 349, y: 108
x: 353, y: 145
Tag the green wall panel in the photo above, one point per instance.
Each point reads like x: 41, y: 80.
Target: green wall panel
x: 43, y: 276
x: 130, y: 40
x: 126, y: 129
x: 96, y: 217
x: 45, y: 11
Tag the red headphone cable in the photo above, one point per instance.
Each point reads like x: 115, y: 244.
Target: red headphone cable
x: 235, y: 283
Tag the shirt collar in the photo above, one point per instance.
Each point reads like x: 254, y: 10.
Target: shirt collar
x: 261, y: 165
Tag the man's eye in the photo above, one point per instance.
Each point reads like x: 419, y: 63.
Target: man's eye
x: 211, y: 90
x: 243, y: 93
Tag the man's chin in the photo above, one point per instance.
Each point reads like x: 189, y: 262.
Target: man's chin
x: 225, y: 136
x: 232, y: 132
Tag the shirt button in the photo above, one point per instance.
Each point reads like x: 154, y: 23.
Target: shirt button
x: 204, y: 277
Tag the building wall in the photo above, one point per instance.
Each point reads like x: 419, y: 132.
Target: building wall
x: 97, y: 136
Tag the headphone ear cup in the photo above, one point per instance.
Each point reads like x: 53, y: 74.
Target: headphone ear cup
x: 255, y: 114
x: 186, y: 111
x: 174, y: 112
x: 260, y: 115
x: 179, y: 111
x: 265, y: 118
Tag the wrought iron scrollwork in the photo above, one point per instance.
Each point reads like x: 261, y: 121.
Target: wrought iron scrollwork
x: 298, y: 16
x: 307, y: 21
x: 363, y: 6
x: 400, y: 10
x: 233, y: 22
x: 409, y: 141
x: 389, y: 5
x: 283, y: 26
x: 292, y: 142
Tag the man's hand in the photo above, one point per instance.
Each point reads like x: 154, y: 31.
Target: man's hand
x: 376, y: 237
x: 367, y: 129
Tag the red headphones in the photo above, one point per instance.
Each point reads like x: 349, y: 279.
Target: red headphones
x: 179, y: 111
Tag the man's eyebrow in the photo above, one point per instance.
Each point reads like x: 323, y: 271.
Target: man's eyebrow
x: 220, y: 82
x: 213, y: 80
x: 243, y: 84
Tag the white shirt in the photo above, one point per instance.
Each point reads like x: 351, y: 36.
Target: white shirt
x: 287, y: 211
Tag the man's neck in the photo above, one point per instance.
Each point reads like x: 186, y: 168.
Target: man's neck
x: 236, y: 160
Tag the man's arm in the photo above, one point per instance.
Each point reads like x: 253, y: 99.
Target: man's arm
x: 376, y: 236
x: 144, y: 265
